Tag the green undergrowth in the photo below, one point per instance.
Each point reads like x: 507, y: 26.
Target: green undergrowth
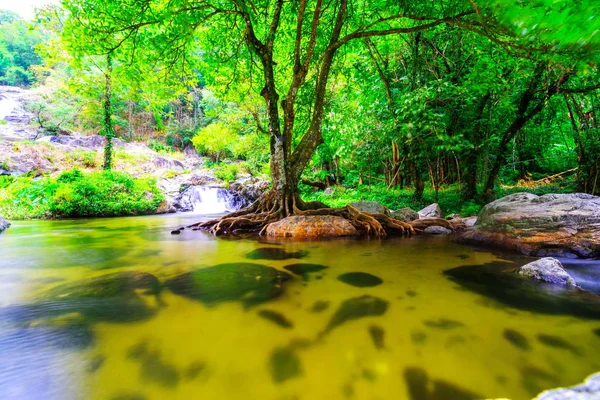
x: 78, y: 194
x: 449, y: 198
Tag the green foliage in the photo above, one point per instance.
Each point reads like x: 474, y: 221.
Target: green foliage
x: 449, y: 197
x: 216, y: 141
x: 18, y: 41
x: 78, y: 194
x: 226, y: 171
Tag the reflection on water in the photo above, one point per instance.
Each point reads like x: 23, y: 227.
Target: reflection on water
x: 122, y: 309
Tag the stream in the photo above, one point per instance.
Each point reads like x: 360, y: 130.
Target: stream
x: 122, y: 309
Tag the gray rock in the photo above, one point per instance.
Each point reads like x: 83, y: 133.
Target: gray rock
x: 405, y: 214
x: 566, y: 225
x: 437, y: 230
x: 589, y: 390
x: 370, y: 207
x: 4, y: 224
x: 470, y: 221
x: 431, y: 211
x: 549, y: 270
x: 329, y: 191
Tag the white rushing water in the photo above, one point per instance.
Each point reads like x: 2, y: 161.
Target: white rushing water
x: 209, y: 200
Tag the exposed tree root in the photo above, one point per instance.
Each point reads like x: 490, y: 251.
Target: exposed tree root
x: 268, y: 209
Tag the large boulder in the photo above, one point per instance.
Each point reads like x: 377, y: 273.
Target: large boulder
x: 588, y: 390
x: 405, y: 214
x: 4, y: 224
x: 311, y: 227
x: 372, y: 207
x: 549, y: 270
x: 566, y: 225
x: 431, y: 211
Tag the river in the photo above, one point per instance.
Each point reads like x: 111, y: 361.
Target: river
x: 122, y: 309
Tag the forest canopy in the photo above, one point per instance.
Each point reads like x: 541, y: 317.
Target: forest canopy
x: 455, y: 93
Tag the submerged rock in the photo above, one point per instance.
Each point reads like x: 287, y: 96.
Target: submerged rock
x: 356, y: 308
x: 405, y: 214
x: 431, y: 211
x: 277, y: 318
x: 372, y: 207
x: 443, y: 323
x: 4, y: 224
x: 517, y: 339
x: 421, y: 388
x: 558, y: 343
x: 111, y: 297
x: 535, y: 379
x: 311, y: 227
x: 551, y: 225
x: 588, y: 390
x: 285, y: 364
x: 360, y: 279
x: 304, y: 270
x: 322, y: 305
x: 549, y: 270
x: 377, y: 336
x: 274, y: 253
x: 498, y: 281
x: 250, y: 284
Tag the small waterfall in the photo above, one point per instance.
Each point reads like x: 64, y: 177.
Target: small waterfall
x: 211, y: 200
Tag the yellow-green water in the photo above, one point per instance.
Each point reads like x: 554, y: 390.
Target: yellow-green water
x: 435, y: 331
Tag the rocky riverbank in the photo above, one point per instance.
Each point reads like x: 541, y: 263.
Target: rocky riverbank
x: 562, y: 225
x: 24, y: 150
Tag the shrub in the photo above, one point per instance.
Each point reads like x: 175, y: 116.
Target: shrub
x: 216, y: 141
x: 105, y: 193
x: 226, y: 172
x: 78, y: 194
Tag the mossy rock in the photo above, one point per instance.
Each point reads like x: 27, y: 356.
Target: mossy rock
x: 112, y: 297
x: 247, y: 283
x: 498, y: 281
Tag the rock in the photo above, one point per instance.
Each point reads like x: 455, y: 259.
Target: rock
x: 405, y: 214
x: 305, y: 270
x: 116, y: 297
x: 285, y: 364
x: 201, y: 199
x: 275, y: 253
x: 311, y: 227
x: 498, y: 281
x: 437, y: 230
x: 566, y: 225
x: 4, y: 224
x: 431, y: 211
x: 360, y: 279
x: 549, y: 270
x: 249, y: 187
x: 470, y: 221
x: 372, y: 207
x: 329, y: 191
x: 589, y: 390
x: 248, y: 283
x: 356, y: 308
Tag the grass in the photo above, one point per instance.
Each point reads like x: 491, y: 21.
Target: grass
x: 449, y: 197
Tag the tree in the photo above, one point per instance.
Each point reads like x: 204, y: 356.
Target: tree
x: 261, y: 36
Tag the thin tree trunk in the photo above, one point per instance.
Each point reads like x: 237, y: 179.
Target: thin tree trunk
x: 109, y: 132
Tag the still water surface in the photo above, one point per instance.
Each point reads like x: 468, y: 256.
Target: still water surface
x: 121, y: 309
